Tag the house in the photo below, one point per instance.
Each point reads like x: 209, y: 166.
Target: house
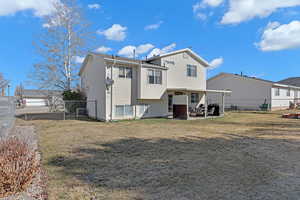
x: 34, y: 98
x: 254, y: 93
x: 295, y: 81
x: 128, y: 88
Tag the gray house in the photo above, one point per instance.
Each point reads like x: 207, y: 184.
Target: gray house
x: 252, y: 93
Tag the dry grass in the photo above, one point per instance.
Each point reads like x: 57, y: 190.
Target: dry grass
x: 242, y: 156
x: 18, y: 166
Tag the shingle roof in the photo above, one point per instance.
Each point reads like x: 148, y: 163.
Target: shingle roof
x: 40, y: 93
x: 295, y: 81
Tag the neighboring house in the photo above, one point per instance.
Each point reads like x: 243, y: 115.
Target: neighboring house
x: 33, y: 98
x: 251, y: 93
x: 295, y: 81
x: 128, y: 88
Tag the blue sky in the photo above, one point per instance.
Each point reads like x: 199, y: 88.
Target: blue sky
x: 258, y: 38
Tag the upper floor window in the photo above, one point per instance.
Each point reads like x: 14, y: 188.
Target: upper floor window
x: 154, y: 76
x: 288, y: 92
x: 277, y: 91
x: 192, y: 70
x: 125, y: 72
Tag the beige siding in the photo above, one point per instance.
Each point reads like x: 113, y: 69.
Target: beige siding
x: 177, y: 72
x: 150, y: 91
x: 93, y: 84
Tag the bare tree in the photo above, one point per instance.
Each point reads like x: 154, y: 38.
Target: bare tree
x: 66, y: 38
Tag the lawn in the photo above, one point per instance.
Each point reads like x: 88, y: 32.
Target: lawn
x: 242, y: 156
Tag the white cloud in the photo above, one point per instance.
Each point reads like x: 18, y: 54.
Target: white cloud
x: 103, y: 49
x: 243, y: 10
x: 116, y: 33
x: 216, y: 63
x: 199, y: 7
x: 154, y: 26
x: 78, y: 59
x: 95, y: 6
x: 279, y: 37
x: 157, y: 51
x: 128, y: 51
x: 39, y: 7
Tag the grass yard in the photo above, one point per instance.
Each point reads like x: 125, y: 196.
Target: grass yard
x: 242, y: 156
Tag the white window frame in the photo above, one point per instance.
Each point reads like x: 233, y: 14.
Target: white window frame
x: 191, y: 70
x: 277, y: 92
x: 288, y: 92
x: 125, y: 72
x: 124, y: 110
x: 157, y: 76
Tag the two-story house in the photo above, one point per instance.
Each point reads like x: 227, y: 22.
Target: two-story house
x: 128, y: 88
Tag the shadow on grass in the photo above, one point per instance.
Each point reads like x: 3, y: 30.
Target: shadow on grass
x: 192, y: 167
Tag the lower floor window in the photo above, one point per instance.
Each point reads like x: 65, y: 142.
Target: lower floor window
x: 124, y: 110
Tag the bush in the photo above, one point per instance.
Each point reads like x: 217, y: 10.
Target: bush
x: 18, y: 166
x: 70, y: 95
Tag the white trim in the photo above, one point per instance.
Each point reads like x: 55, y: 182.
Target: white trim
x: 196, y: 56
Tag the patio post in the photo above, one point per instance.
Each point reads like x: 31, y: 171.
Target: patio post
x: 223, y: 103
x: 205, y: 105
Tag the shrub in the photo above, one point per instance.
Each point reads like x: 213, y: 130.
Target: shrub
x: 18, y: 166
x: 70, y: 95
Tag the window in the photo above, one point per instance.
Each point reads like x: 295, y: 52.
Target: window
x: 194, y: 98
x: 125, y: 72
x: 124, y: 110
x: 277, y: 91
x: 192, y: 70
x: 154, y: 76
x: 170, y: 103
x: 288, y: 92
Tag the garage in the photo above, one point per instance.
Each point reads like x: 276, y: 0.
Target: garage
x: 35, y: 102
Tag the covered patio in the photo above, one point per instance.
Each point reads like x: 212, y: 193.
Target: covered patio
x: 190, y: 104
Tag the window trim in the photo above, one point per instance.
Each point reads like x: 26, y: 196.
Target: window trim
x: 191, y: 70
x: 277, y: 92
x: 288, y: 92
x: 125, y: 71
x: 157, y: 76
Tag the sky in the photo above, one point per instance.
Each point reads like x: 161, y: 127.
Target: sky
x: 260, y: 38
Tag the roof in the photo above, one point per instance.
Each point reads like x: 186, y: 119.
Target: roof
x: 254, y: 78
x: 199, y: 90
x: 187, y: 50
x: 40, y: 93
x: 117, y: 58
x: 238, y: 75
x: 295, y: 81
x: 145, y: 62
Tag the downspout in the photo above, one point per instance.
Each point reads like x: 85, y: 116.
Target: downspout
x: 111, y: 91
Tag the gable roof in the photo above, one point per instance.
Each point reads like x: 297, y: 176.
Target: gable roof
x: 295, y: 81
x: 277, y: 84
x: 243, y: 76
x: 117, y: 58
x: 40, y: 93
x: 186, y: 50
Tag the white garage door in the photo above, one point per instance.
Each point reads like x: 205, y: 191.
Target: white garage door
x: 36, y: 102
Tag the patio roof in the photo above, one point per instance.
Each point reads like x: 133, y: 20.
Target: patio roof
x: 200, y: 90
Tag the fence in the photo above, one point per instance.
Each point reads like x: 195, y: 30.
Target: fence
x: 7, y: 115
x: 257, y: 103
x: 64, y: 110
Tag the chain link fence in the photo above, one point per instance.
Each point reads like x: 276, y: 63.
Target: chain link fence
x: 7, y: 115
